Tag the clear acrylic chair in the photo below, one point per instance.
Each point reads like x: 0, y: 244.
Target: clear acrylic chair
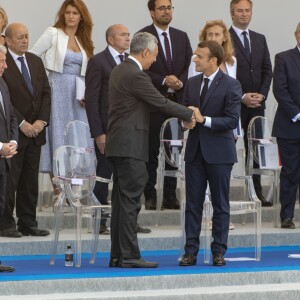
x: 250, y: 204
x: 172, y: 148
x: 259, y: 133
x: 74, y: 171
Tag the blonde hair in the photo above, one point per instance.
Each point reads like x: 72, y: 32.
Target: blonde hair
x: 5, y: 18
x: 227, y: 45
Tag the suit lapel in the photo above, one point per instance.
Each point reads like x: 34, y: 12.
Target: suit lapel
x: 4, y: 101
x: 33, y: 74
x: 109, y: 57
x: 173, y: 42
x: 296, y: 57
x: 238, y: 43
x: 212, y: 88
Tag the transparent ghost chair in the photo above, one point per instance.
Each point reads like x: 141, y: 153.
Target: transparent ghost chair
x: 74, y: 171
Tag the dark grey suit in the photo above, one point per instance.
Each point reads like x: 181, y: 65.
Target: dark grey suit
x: 209, y: 156
x: 255, y: 76
x: 8, y: 132
x: 131, y: 97
x: 286, y: 88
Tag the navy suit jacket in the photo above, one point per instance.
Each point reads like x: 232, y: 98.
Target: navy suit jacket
x: 96, y: 93
x: 181, y: 56
x: 255, y: 76
x: 286, y: 89
x: 222, y: 103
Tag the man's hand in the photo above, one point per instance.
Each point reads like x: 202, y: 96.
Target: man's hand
x: 253, y: 100
x: 28, y: 129
x: 100, y: 142
x: 8, y: 150
x: 173, y: 82
x: 197, y: 114
x: 38, y: 126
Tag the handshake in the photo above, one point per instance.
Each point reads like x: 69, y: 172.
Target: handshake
x: 197, y: 117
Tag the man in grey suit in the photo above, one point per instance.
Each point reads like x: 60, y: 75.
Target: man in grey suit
x: 286, y: 127
x: 8, y: 139
x: 254, y: 71
x: 131, y: 98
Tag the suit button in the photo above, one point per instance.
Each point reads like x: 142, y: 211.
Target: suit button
x: 251, y: 70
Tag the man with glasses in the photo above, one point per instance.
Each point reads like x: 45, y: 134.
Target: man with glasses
x: 169, y: 74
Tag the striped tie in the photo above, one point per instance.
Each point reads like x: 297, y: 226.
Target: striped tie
x: 168, y: 53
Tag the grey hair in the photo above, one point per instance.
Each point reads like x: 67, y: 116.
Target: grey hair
x: 3, y: 49
x: 142, y: 41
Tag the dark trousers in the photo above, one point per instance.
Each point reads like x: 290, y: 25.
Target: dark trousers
x: 170, y: 183
x: 246, y: 115
x: 104, y: 170
x: 23, y: 187
x: 3, y: 179
x: 290, y: 175
x: 198, y: 173
x: 129, y: 179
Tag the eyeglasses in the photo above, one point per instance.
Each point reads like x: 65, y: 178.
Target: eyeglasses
x: 165, y: 8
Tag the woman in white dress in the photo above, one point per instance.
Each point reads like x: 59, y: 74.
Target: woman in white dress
x: 65, y: 48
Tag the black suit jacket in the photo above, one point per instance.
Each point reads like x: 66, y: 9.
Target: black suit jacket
x: 8, y: 121
x: 131, y: 98
x: 96, y: 92
x: 286, y: 89
x: 27, y: 106
x: 255, y: 76
x: 181, y: 56
x: 222, y: 103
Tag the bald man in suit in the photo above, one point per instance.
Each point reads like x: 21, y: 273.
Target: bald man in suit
x: 8, y: 139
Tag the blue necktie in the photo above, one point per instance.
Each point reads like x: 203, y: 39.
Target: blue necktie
x: 168, y: 53
x: 25, y: 74
x: 246, y: 45
x: 121, y: 56
x: 204, y: 91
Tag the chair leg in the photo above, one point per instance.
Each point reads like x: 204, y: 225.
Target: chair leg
x: 206, y: 222
x: 96, y: 228
x: 57, y: 224
x: 78, y: 225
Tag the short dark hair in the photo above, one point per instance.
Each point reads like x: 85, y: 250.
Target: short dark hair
x: 233, y: 2
x: 215, y: 50
x: 151, y: 4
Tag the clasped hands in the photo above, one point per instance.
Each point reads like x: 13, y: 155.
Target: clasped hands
x: 253, y: 100
x: 8, y: 150
x: 197, y: 117
x: 173, y: 82
x: 32, y: 130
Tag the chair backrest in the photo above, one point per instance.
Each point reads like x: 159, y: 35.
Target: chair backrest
x: 74, y: 170
x: 77, y: 133
x: 172, y: 139
x: 259, y: 130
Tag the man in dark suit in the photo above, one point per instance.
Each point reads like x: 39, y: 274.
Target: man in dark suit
x: 286, y: 127
x: 30, y: 96
x: 131, y: 97
x: 96, y: 102
x: 254, y: 71
x: 169, y: 74
x: 8, y: 139
x: 210, y: 151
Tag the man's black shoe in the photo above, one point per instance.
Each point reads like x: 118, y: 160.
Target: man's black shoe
x: 263, y: 200
x: 6, y: 268
x: 114, y: 262
x: 188, y: 260
x: 171, y: 202
x: 218, y: 259
x: 11, y: 232
x: 150, y: 204
x: 104, y: 230
x: 34, y: 231
x: 288, y: 223
x: 136, y: 263
x: 140, y: 229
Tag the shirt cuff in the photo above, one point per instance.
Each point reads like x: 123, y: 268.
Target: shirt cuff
x: 1, y: 145
x: 295, y: 119
x: 13, y: 141
x: 21, y: 123
x: 207, y: 122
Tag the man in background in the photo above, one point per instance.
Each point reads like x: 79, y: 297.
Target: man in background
x: 169, y: 75
x: 254, y: 71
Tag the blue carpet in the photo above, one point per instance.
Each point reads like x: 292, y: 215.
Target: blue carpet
x: 37, y: 267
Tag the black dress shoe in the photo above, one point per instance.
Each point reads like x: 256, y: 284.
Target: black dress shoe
x: 104, y: 230
x: 140, y: 229
x: 171, y: 202
x: 6, y: 268
x: 34, y: 231
x: 136, y: 263
x: 114, y: 262
x: 218, y: 259
x: 188, y: 260
x: 150, y: 204
x: 11, y: 232
x: 288, y: 223
x: 263, y: 200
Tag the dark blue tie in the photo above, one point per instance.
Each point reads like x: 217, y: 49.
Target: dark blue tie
x: 247, y: 45
x: 121, y: 56
x: 25, y: 74
x: 204, y: 91
x: 168, y: 53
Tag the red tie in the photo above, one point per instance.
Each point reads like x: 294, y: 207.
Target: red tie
x: 168, y: 53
